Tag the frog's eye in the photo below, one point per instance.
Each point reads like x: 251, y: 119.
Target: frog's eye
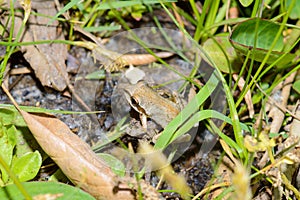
x: 134, y: 101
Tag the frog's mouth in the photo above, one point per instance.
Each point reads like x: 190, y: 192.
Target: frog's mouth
x: 135, y: 105
x: 136, y: 111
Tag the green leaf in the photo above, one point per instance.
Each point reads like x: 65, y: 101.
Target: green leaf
x: 116, y: 165
x: 243, y: 40
x: 98, y: 75
x: 137, y: 15
x: 295, y: 14
x: 26, y: 143
x: 7, y: 144
x: 59, y: 176
x: 246, y: 3
x: 7, y: 116
x: 11, y: 116
x: 62, y: 191
x: 137, y: 12
x: 166, y: 136
x: 102, y: 28
x: 244, y: 34
x: 11, y: 135
x: 260, y: 54
x: 296, y: 86
x: 27, y: 166
x: 223, y: 54
x: 33, y: 109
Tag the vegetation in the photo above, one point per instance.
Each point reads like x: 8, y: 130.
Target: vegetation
x: 252, y: 51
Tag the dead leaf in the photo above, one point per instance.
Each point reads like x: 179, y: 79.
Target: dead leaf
x: 113, y: 61
x: 47, y: 60
x: 280, y: 95
x: 295, y: 126
x: 74, y: 157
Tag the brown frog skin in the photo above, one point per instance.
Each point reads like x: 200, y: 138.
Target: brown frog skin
x: 150, y: 104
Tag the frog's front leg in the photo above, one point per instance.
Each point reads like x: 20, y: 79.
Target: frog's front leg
x: 143, y: 118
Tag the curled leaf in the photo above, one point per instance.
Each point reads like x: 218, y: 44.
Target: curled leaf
x: 74, y: 157
x: 113, y: 61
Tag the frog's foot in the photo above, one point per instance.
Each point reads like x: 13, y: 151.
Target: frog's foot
x: 154, y: 139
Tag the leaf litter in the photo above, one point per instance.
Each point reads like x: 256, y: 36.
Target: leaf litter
x: 47, y: 60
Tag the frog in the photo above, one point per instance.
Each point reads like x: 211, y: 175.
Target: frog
x: 150, y: 104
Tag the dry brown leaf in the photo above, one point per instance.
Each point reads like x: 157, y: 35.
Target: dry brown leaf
x: 47, y: 60
x: 134, y: 59
x: 281, y: 94
x: 74, y: 157
x: 17, y: 71
x: 295, y: 126
x: 143, y: 59
x: 113, y: 61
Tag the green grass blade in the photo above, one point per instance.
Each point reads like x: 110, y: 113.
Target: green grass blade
x: 205, y: 114
x: 191, y: 108
x: 33, y: 109
x: 65, y: 9
x: 123, y: 4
